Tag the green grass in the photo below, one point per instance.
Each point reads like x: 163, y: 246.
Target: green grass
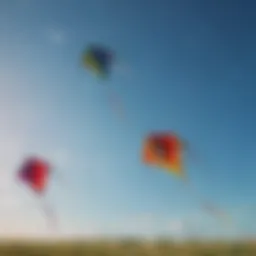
x: 127, y: 248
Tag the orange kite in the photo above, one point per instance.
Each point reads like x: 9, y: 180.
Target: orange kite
x: 164, y: 149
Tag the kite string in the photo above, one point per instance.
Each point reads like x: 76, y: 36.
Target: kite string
x: 116, y: 103
x: 205, y: 204
x: 50, y: 214
x: 46, y: 208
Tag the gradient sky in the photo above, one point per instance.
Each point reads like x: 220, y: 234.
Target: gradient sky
x: 186, y: 66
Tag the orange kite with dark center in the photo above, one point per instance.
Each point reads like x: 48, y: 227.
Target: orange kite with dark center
x: 164, y: 150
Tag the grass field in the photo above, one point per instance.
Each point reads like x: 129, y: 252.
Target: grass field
x: 127, y: 248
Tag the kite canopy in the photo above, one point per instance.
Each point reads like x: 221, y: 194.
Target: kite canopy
x: 98, y: 60
x: 35, y: 173
x: 164, y: 150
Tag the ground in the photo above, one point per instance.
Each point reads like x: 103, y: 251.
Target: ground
x: 128, y: 248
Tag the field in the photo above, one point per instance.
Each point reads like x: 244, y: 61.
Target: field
x: 127, y: 248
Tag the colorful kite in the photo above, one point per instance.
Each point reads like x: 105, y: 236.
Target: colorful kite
x: 35, y: 173
x: 98, y: 60
x: 166, y: 150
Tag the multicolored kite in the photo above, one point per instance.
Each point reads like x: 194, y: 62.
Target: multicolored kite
x: 98, y: 59
x: 164, y: 150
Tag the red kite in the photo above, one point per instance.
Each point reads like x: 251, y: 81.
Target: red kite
x: 35, y: 173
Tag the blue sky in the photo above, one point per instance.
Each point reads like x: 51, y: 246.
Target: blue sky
x: 187, y: 66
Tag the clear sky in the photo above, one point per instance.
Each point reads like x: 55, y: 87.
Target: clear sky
x: 187, y: 66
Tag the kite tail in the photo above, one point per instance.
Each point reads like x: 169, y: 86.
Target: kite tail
x: 50, y: 215
x: 116, y: 104
x: 209, y: 207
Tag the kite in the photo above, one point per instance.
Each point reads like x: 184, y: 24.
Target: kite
x: 98, y: 60
x: 35, y: 173
x: 166, y: 150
